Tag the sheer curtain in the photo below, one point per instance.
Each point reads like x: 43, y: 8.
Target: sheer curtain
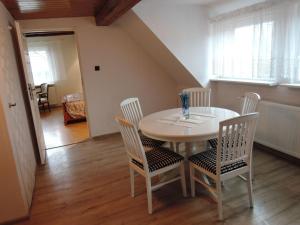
x: 261, y: 42
x: 46, y: 61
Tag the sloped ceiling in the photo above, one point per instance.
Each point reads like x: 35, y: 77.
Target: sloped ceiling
x: 183, y: 29
x: 142, y: 35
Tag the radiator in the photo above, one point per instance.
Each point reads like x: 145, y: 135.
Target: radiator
x: 279, y: 127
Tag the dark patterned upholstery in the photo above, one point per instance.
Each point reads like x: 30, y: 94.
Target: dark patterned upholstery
x: 149, y: 142
x: 207, y: 160
x: 213, y: 143
x: 159, y: 158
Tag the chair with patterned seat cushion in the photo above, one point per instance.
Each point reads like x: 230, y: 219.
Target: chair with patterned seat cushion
x: 250, y: 102
x: 233, y: 157
x: 154, y: 162
x: 199, y: 97
x: 159, y: 158
x: 132, y: 112
x: 43, y: 97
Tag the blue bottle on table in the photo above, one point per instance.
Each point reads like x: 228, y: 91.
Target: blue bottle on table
x: 185, y: 103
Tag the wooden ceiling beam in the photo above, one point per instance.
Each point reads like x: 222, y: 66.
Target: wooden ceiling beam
x: 112, y: 10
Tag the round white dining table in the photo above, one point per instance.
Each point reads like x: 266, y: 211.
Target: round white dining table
x: 170, y: 125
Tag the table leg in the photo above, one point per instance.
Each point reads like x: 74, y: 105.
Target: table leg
x: 190, y: 149
x: 174, y: 146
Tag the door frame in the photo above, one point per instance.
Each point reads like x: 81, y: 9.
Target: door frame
x: 80, y: 69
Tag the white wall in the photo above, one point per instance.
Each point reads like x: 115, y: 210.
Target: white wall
x: 222, y: 7
x: 126, y: 70
x: 183, y: 28
x: 70, y: 81
x: 227, y: 94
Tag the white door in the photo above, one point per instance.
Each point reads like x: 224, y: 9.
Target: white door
x: 31, y: 93
x: 12, y: 100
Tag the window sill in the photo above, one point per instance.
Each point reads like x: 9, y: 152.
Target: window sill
x: 252, y: 82
x: 291, y: 85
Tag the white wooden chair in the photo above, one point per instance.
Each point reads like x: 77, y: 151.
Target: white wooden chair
x: 151, y: 163
x: 231, y: 158
x: 199, y: 97
x: 249, y: 105
x: 132, y: 112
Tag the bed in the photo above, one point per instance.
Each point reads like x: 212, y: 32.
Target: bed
x: 73, y: 108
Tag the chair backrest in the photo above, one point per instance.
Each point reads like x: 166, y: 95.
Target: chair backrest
x: 199, y: 97
x: 132, y: 111
x: 132, y: 141
x: 250, y: 103
x: 237, y: 137
x: 44, y: 88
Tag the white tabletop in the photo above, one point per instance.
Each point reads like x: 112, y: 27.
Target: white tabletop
x: 169, y: 125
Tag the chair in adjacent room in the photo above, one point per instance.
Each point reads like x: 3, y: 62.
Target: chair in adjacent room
x: 43, y: 97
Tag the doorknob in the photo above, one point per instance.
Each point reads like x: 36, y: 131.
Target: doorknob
x: 10, y: 105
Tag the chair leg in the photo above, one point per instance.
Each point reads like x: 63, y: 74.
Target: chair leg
x: 149, y: 194
x: 252, y: 167
x: 182, y: 179
x: 49, y: 107
x: 250, y: 189
x: 131, y: 171
x: 192, y: 174
x: 219, y: 199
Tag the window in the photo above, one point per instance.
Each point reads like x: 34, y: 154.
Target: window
x: 41, y: 67
x: 47, y: 62
x: 258, y: 43
x: 245, y: 54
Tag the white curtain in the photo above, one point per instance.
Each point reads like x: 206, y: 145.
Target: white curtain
x: 261, y: 42
x: 46, y: 61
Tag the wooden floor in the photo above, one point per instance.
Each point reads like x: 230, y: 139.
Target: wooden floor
x: 88, y: 184
x: 57, y: 134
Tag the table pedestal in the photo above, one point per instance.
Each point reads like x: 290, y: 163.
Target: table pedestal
x: 185, y: 149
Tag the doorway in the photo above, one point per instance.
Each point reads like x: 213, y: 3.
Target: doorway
x: 58, y: 87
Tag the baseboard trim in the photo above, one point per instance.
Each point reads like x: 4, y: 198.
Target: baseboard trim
x: 104, y: 136
x: 277, y: 153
